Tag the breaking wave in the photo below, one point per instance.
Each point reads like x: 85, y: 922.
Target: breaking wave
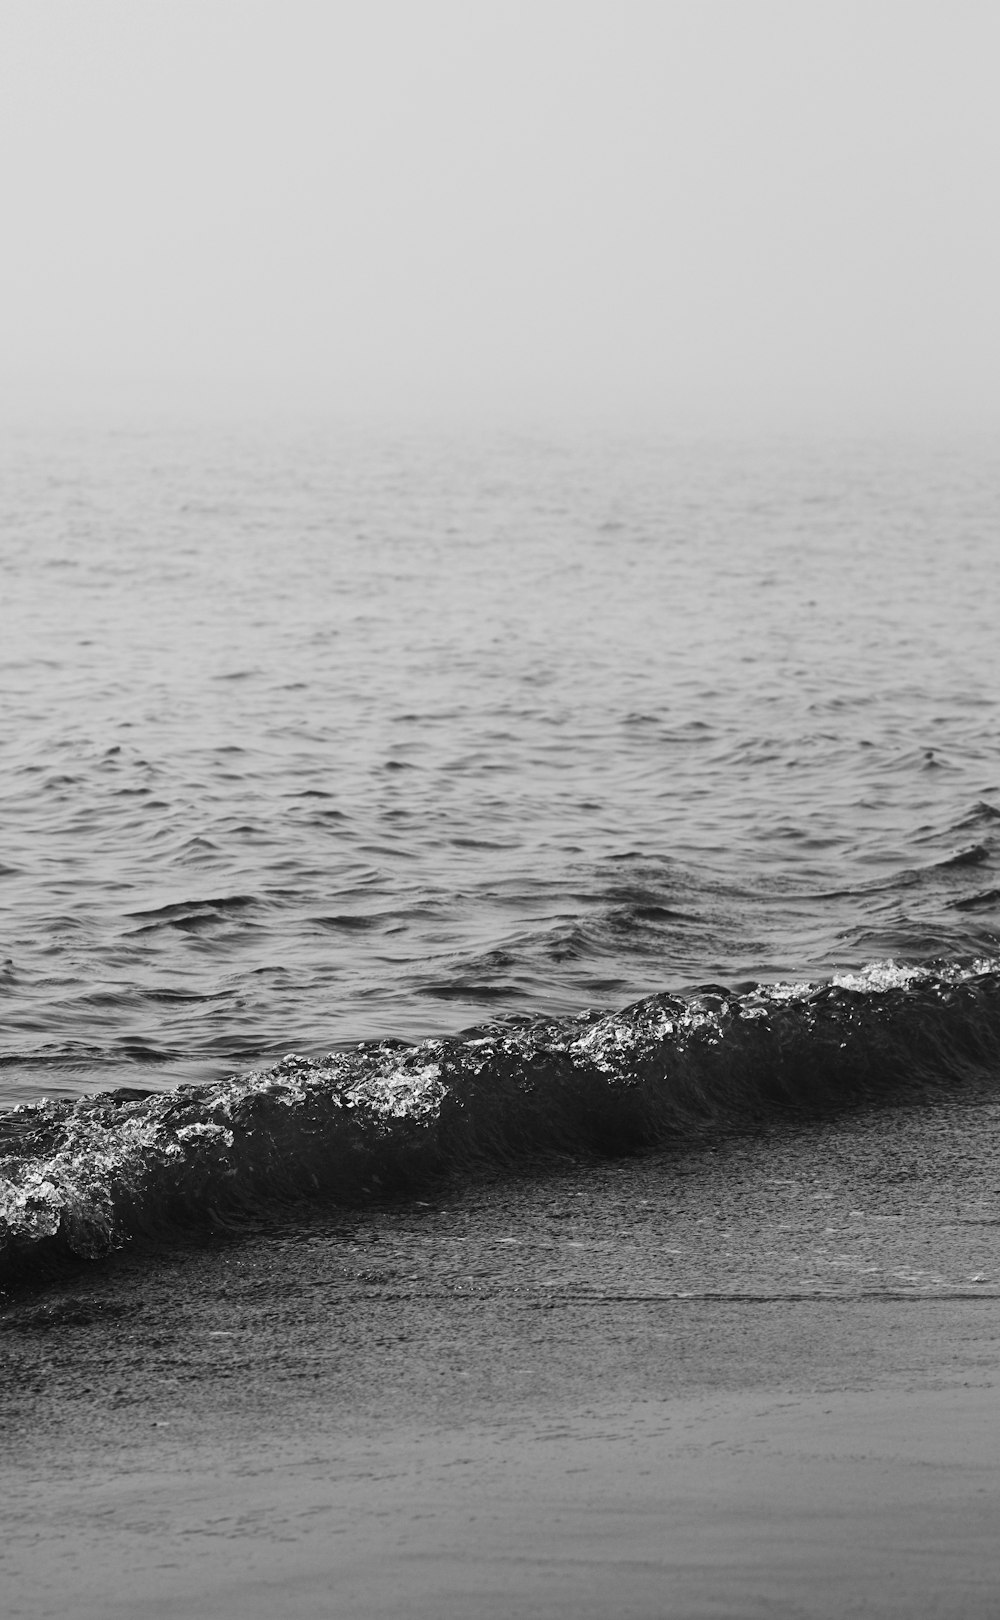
x: 83, y: 1178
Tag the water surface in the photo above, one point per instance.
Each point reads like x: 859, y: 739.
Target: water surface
x: 312, y: 736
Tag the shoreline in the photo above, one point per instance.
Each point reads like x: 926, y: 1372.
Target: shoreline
x: 750, y: 1376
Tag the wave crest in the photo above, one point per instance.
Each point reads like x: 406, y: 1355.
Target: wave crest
x: 83, y: 1178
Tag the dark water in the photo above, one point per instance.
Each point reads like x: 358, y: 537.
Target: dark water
x: 311, y: 736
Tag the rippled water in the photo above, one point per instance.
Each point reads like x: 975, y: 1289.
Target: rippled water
x: 314, y: 736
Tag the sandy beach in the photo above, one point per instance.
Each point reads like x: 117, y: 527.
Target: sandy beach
x: 752, y: 1377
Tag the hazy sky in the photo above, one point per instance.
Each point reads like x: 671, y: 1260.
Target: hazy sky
x: 780, y: 210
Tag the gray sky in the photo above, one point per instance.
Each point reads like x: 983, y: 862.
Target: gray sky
x: 773, y: 211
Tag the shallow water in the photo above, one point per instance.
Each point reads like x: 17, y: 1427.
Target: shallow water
x: 312, y: 736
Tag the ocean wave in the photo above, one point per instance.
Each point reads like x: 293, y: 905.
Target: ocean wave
x: 81, y: 1179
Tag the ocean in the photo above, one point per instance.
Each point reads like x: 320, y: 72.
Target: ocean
x: 377, y: 801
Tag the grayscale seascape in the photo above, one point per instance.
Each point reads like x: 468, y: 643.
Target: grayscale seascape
x: 314, y: 739
x: 311, y: 739
x: 499, y: 810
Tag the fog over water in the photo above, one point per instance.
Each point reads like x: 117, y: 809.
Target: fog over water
x: 497, y: 511
x: 707, y: 214
x: 498, y: 563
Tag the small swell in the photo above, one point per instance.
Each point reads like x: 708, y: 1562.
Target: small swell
x: 84, y: 1178
x: 181, y: 911
x: 981, y: 812
x: 988, y: 899
x: 975, y: 855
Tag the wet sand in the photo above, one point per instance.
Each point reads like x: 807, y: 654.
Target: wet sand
x: 751, y: 1378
